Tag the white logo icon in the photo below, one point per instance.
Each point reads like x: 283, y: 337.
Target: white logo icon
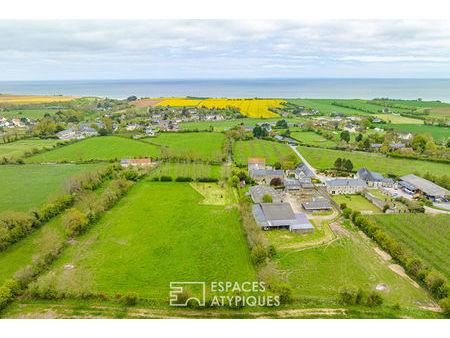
x: 176, y: 289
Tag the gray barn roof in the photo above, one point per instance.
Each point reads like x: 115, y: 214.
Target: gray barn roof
x: 346, y: 181
x: 316, y: 204
x: 257, y: 192
x: 424, y: 185
x: 277, y: 211
x: 265, y: 172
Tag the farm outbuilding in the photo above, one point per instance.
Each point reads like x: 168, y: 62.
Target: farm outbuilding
x: 414, y: 184
x: 318, y: 204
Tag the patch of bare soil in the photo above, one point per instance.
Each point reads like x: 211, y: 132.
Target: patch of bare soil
x: 286, y: 236
x: 338, y: 230
x: 384, y: 255
x: 401, y: 272
x: 145, y: 103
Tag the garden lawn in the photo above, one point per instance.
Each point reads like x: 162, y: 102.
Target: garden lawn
x: 28, y: 186
x: 271, y: 151
x: 356, y: 203
x: 325, y: 158
x: 157, y: 234
x: 99, y: 148
x: 206, y: 146
x: 426, y: 236
x: 309, y: 137
x: 18, y: 148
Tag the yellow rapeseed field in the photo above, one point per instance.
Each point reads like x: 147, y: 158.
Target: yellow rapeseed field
x: 255, y: 108
x: 33, y: 99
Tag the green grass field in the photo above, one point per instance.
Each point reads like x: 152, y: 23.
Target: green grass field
x: 427, y: 236
x: 397, y: 119
x: 27, y: 186
x: 324, y: 159
x: 356, y: 203
x: 324, y: 106
x: 157, y: 234
x: 271, y: 151
x: 32, y: 114
x: 309, y: 137
x: 221, y: 125
x: 193, y: 170
x: 198, y: 145
x: 435, y: 131
x: 18, y: 148
x: 99, y: 148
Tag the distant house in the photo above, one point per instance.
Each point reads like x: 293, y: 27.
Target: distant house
x: 306, y: 183
x: 316, y: 204
x: 374, y: 179
x: 248, y: 128
x: 256, y: 163
x: 415, y: 184
x: 145, y: 162
x: 376, y: 120
x: 89, y: 132
x: 405, y: 136
x: 70, y: 134
x: 396, y: 145
x: 271, y: 216
x: 305, y: 171
x: 349, y: 127
x: 266, y: 175
x: 376, y: 146
x: 345, y: 186
x: 132, y: 127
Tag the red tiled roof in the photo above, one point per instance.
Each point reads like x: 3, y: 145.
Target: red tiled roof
x: 141, y: 160
x: 256, y: 160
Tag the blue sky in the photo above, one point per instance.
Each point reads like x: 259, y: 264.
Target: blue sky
x: 167, y: 49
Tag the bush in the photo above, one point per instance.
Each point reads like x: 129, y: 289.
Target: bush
x: 347, y: 212
x: 207, y: 179
x: 5, y: 296
x: 435, y: 281
x: 374, y: 299
x: 444, y: 303
x: 276, y: 181
x: 183, y: 179
x: 343, y: 206
x: 24, y: 276
x: 258, y: 255
x: 272, y: 251
x: 284, y: 291
x: 267, y: 198
x: 348, y: 295
x: 166, y: 179
x: 131, y: 175
x: 130, y: 298
x: 75, y: 222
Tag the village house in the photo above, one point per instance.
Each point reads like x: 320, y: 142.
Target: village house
x: 349, y: 128
x: 376, y: 146
x: 271, y: 216
x: 256, y: 163
x: 292, y: 185
x: 345, y: 186
x: 266, y: 175
x: 374, y: 179
x: 396, y: 145
x: 132, y: 127
x: 144, y: 162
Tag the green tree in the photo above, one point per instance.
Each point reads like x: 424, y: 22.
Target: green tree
x: 267, y: 198
x: 345, y: 136
x: 419, y: 142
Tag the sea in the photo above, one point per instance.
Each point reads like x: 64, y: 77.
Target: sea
x: 426, y: 89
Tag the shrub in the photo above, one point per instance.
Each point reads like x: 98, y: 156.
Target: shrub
x: 166, y: 179
x: 5, y: 296
x: 24, y: 276
x: 207, y: 179
x: 343, y: 206
x: 183, y: 179
x: 347, y: 212
x: 75, y: 222
x: 374, y: 299
x: 348, y: 295
x: 131, y: 175
x: 258, y: 255
x: 130, y: 298
x: 267, y: 198
x: 272, y: 251
x: 435, y: 281
x: 276, y: 181
x: 14, y: 226
x: 444, y: 303
x: 284, y: 291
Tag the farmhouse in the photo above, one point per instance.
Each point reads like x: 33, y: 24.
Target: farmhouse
x: 266, y: 175
x: 257, y: 193
x: 256, y: 163
x: 415, y: 184
x: 374, y: 179
x: 304, y: 171
x: 281, y: 216
x: 145, y: 162
x: 292, y: 185
x: 306, y: 183
x: 345, y: 186
x: 316, y: 204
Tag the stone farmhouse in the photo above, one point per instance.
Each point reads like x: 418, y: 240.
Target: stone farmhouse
x: 374, y: 179
x: 345, y: 186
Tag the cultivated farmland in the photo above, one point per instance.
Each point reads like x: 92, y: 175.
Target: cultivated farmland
x: 324, y: 159
x: 271, y: 151
x: 159, y: 233
x: 99, y: 148
x: 28, y: 186
x: 426, y: 236
x: 33, y: 99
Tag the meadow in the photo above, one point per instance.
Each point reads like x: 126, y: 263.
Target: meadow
x: 206, y: 146
x: 325, y: 158
x: 397, y: 119
x: 221, y: 125
x: 309, y: 137
x: 425, y: 235
x: 437, y: 132
x: 99, y: 148
x: 159, y: 233
x: 271, y: 151
x: 193, y: 170
x: 18, y: 148
x: 356, y: 203
x: 33, y: 114
x: 28, y: 186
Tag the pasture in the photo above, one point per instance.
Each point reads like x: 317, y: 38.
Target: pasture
x: 33, y: 114
x: 324, y: 106
x: 356, y: 203
x: 309, y: 137
x: 99, y: 148
x: 325, y: 158
x: 437, y: 132
x: 28, y: 186
x: 194, y: 170
x: 221, y: 125
x: 159, y: 233
x: 425, y: 235
x: 207, y: 146
x: 397, y: 119
x: 271, y: 151
x: 18, y: 148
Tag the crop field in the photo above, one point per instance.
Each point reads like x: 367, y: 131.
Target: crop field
x: 196, y: 145
x: 159, y: 233
x: 318, y: 272
x: 425, y: 235
x: 18, y: 148
x: 194, y: 170
x: 271, y: 151
x: 325, y: 158
x: 33, y: 99
x: 30, y: 113
x: 99, y: 148
x: 369, y: 107
x: 356, y: 203
x: 309, y: 137
x: 397, y: 119
x: 27, y: 186
x: 417, y: 104
x: 256, y: 108
x: 435, y: 131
